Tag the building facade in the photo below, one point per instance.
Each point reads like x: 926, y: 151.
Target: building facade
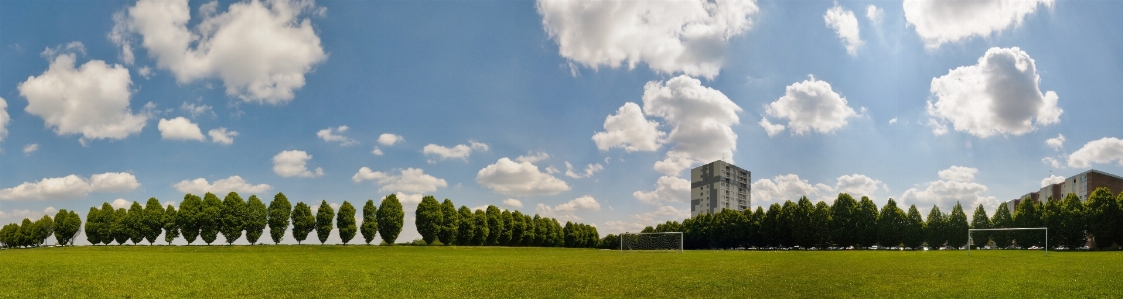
x: 719, y: 185
x: 1081, y: 184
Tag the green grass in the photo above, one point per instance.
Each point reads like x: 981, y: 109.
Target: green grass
x: 461, y: 272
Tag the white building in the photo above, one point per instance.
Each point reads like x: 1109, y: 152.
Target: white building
x: 719, y: 185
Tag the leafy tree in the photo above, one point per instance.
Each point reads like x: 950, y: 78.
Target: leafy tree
x: 451, y: 225
x: 889, y: 225
x: 345, y: 221
x: 190, y: 217
x: 843, y: 222
x: 233, y: 217
x: 1071, y: 230
x: 428, y: 219
x: 770, y: 226
x: 913, y: 232
x: 1026, y: 214
x: 506, y: 234
x: 121, y: 227
x: 108, y: 227
x: 727, y: 231
x: 541, y: 231
x: 482, y: 228
x: 280, y: 211
x: 390, y: 219
x: 936, y: 228
x: 1103, y: 216
x: 466, y: 228
x: 93, y: 224
x: 171, y: 224
x: 787, y: 218
x: 528, y: 230
x: 570, y: 237
x: 44, y: 228
x: 137, y: 229
x: 67, y: 224
x: 153, y: 220
x: 980, y: 221
x: 610, y: 241
x: 302, y: 222
x: 369, y: 227
x: 324, y: 215
x: 956, y: 229
x: 28, y: 233
x: 866, y: 222
x: 1052, y: 216
x: 257, y: 217
x: 494, y: 225
x: 1001, y: 219
x: 821, y: 223
x: 9, y: 235
x: 517, y: 228
x: 211, y: 223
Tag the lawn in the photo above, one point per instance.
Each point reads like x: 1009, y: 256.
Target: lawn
x: 459, y: 272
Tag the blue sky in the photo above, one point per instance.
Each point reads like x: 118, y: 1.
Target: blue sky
x: 492, y: 102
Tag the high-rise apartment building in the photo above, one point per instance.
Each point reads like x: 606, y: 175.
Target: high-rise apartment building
x: 719, y: 185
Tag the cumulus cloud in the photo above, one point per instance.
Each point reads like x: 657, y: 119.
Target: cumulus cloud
x: 958, y: 173
x: 628, y: 129
x: 533, y: 157
x: 222, y: 186
x: 1052, y: 179
x: 376, y: 151
x: 1101, y: 151
x: 260, y: 50
x: 874, y: 14
x: 221, y: 135
x: 512, y: 203
x: 30, y: 148
x: 291, y: 163
x: 999, y: 95
x: 335, y: 135
x: 70, y: 187
x: 588, y: 171
x: 411, y: 180
x: 121, y: 203
x: 409, y: 201
x: 770, y: 128
x: 17, y: 215
x: 91, y: 100
x: 621, y: 226
x: 701, y: 120
x: 4, y: 119
x: 180, y: 128
x: 667, y: 189
x: 810, y: 105
x: 388, y: 139
x: 939, y: 22
x: 957, y: 186
x: 786, y: 187
x: 460, y: 151
x: 197, y: 110
x: 1056, y: 142
x: 669, y: 36
x: 519, y: 178
x: 845, y: 24
x: 662, y: 213
x: 583, y: 203
x: 857, y: 184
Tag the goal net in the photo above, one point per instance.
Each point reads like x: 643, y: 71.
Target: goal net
x: 970, y: 231
x: 668, y: 241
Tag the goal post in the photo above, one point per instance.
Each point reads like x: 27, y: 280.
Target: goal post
x: 969, y: 231
x: 666, y: 241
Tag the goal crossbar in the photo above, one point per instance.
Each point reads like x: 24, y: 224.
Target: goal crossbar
x: 969, y: 231
x: 679, y: 234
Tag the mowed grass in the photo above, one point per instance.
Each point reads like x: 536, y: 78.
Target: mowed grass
x: 460, y: 272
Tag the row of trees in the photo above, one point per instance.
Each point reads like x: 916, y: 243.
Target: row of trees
x: 860, y: 224
x: 64, y: 226
x: 442, y: 221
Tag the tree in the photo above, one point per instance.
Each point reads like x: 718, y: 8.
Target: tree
x: 345, y: 221
x: 802, y: 223
x: 843, y: 220
x: 44, y: 228
x: 302, y: 222
x: 1073, y: 225
x: 1027, y: 214
x: 787, y: 233
x: 541, y: 231
x: 28, y: 233
x: 1052, y: 216
x: 482, y: 228
x: 233, y: 217
x: 324, y: 215
x: 67, y: 224
x: 93, y: 224
x: 121, y: 227
x: 980, y: 221
x: 936, y: 228
x: 770, y: 226
x: 280, y: 211
x: 494, y: 225
x: 369, y: 227
x: 517, y: 229
x: 451, y: 225
x: 137, y: 229
x: 390, y: 219
x: 913, y: 232
x: 821, y: 223
x: 171, y: 224
x: 865, y: 221
x: 570, y: 237
x: 190, y: 217
x: 211, y: 223
x: 428, y: 219
x: 108, y: 227
x: 889, y: 225
x: 153, y: 220
x: 528, y: 230
x: 956, y: 229
x: 1001, y: 219
x: 1103, y: 216
x: 466, y: 229
x: 755, y: 234
x: 506, y: 234
x: 257, y: 217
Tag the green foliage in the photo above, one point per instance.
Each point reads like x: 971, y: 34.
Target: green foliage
x: 211, y: 222
x: 171, y: 224
x: 508, y: 225
x: 121, y: 228
x: 67, y: 224
x: 1051, y: 217
x: 913, y: 232
x: 279, y: 212
x: 369, y: 227
x: 820, y: 223
x: 956, y: 229
x: 936, y: 228
x: 517, y: 228
x: 28, y: 234
x: 391, y: 218
x: 1001, y: 219
x: 324, y: 215
x: 233, y: 217
x: 494, y: 225
x: 345, y: 221
x: 257, y: 217
x: 428, y: 219
x: 1103, y: 217
x: 93, y: 224
x: 153, y: 220
x: 302, y: 222
x: 570, y: 235
x: 1072, y: 222
x: 466, y: 230
x: 9, y: 236
x: 770, y: 226
x: 134, y: 223
x: 108, y: 227
x: 843, y: 221
x: 482, y: 228
x: 44, y: 228
x: 890, y: 223
x: 610, y: 241
x: 528, y: 231
x: 190, y: 217
x: 541, y: 230
x: 1027, y: 214
x: 866, y: 222
x: 980, y: 220
x: 451, y: 225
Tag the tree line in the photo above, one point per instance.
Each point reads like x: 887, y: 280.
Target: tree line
x: 64, y: 227
x: 443, y: 222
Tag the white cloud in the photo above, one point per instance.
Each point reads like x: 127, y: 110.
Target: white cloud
x: 811, y: 105
x: 770, y: 128
x: 667, y: 189
x: 223, y: 186
x: 580, y: 204
x: 92, y: 100
x: 958, y: 173
x: 857, y: 184
x: 30, y: 148
x: 291, y: 163
x: 376, y: 151
x: 533, y: 157
x: 513, y: 203
x: 701, y: 118
x: 70, y: 187
x: 114, y: 182
x: 388, y: 139
x: 412, y: 180
x: 958, y: 186
x: 1101, y: 151
x: 460, y: 151
x: 260, y: 50
x: 628, y: 129
x: 145, y: 72
x: 1057, y: 142
x: 519, y: 178
x: 1052, y: 179
x: 874, y: 14
x: 621, y: 226
x: 180, y: 128
x: 588, y: 172
x: 893, y: 121
x: 939, y: 22
x: 4, y: 119
x: 845, y: 24
x: 197, y: 110
x: 999, y: 95
x: 1052, y: 162
x: 662, y: 213
x: 786, y: 187
x: 121, y: 203
x: 17, y: 215
x: 669, y: 36
x: 328, y: 136
x: 221, y: 135
x: 409, y: 201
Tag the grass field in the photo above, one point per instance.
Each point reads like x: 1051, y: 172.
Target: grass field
x: 459, y: 272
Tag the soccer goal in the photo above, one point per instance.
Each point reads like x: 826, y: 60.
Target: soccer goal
x: 667, y: 241
x: 969, y: 231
